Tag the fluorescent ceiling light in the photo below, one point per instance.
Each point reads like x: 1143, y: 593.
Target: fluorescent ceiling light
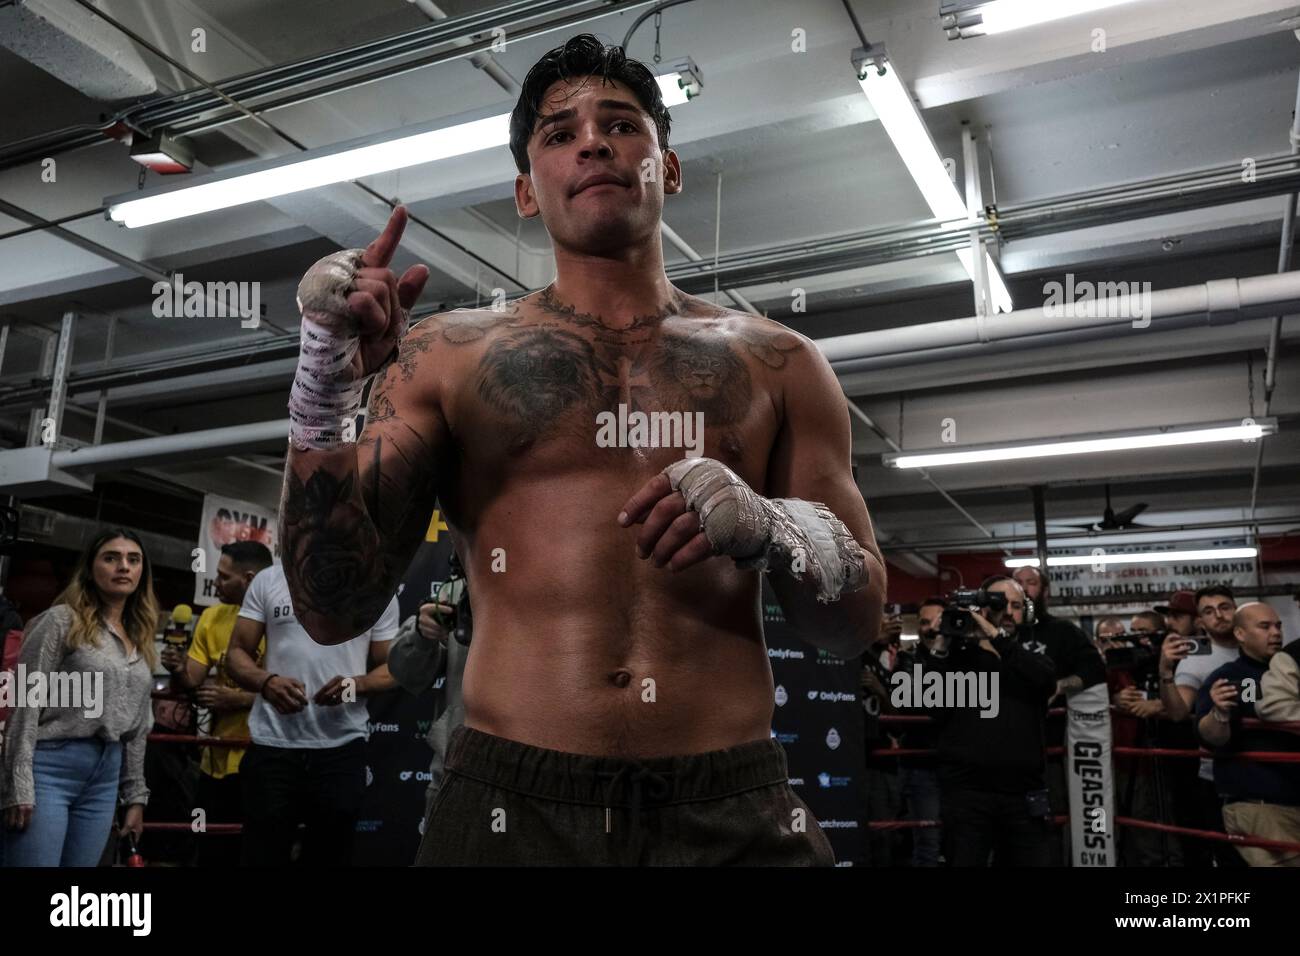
x: 1149, y: 557
x: 345, y: 162
x: 682, y: 82
x: 298, y: 173
x: 902, y: 121
x: 1001, y: 16
x: 1151, y: 438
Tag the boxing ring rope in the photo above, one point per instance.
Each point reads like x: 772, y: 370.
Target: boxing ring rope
x: 1132, y: 822
x: 885, y: 753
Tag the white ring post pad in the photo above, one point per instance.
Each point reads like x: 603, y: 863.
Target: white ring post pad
x: 789, y: 534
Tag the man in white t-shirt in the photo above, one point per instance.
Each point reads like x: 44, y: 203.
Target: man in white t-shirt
x: 1215, y: 609
x: 308, y: 725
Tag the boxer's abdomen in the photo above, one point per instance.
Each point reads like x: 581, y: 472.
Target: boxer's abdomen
x: 581, y: 646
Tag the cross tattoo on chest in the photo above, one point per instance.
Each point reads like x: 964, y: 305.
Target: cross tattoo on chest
x: 627, y: 377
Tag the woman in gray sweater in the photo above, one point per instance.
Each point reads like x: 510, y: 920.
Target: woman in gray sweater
x: 74, y: 745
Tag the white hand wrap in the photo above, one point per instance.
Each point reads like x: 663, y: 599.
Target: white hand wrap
x: 324, y: 393
x: 788, y: 534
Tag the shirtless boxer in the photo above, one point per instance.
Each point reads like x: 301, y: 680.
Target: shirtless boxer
x: 618, y: 696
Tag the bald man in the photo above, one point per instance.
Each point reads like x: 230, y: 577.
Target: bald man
x: 1259, y: 799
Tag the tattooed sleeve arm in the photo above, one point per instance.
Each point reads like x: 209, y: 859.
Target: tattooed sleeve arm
x: 812, y: 460
x: 351, y: 519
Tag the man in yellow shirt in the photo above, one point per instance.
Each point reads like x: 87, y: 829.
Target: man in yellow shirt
x: 219, y: 791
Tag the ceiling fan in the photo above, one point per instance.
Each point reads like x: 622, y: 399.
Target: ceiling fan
x: 1111, y: 520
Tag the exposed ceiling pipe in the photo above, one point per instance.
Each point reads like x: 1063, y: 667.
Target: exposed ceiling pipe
x: 122, y: 423
x: 887, y: 348
x: 1219, y: 302
x: 1043, y: 345
x: 211, y: 443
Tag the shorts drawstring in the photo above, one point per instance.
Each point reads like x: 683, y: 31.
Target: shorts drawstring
x: 638, y: 775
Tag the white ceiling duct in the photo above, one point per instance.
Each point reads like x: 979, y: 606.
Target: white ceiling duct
x: 67, y: 42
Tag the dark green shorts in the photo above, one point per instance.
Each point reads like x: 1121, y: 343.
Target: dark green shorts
x: 504, y: 803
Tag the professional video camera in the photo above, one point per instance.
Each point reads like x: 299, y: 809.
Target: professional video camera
x: 956, y: 624
x: 1136, y: 651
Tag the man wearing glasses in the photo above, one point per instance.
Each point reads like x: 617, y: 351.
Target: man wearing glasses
x: 1181, y: 675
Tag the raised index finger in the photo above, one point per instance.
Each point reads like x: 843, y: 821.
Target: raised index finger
x: 380, y: 252
x: 639, y: 505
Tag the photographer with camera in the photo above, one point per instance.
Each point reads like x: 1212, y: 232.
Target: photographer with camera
x: 1132, y: 658
x: 430, y: 650
x: 1259, y: 799
x: 992, y: 792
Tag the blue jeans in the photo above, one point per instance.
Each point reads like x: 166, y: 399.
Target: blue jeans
x: 921, y: 794
x: 76, y: 794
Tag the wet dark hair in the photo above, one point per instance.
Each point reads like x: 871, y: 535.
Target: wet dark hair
x: 583, y: 55
x: 248, y: 555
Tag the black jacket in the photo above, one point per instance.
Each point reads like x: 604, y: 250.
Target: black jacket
x: 1002, y: 753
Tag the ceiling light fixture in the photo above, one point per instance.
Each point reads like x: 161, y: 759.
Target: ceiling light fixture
x: 962, y: 19
x: 902, y: 121
x: 343, y: 162
x: 1146, y: 557
x: 1242, y: 431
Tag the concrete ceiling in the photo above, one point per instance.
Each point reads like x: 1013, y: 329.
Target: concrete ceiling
x: 1182, y: 85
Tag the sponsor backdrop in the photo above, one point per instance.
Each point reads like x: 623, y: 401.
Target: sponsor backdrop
x: 226, y: 520
x: 818, y: 721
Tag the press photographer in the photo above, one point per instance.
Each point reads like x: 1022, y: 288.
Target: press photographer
x: 993, y: 796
